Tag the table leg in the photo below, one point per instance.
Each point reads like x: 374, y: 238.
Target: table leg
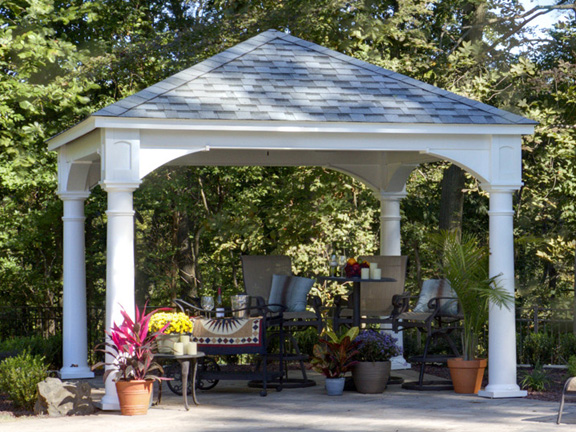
x: 194, y: 370
x: 185, y: 369
x: 356, y: 293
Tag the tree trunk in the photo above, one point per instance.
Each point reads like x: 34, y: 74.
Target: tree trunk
x: 452, y: 199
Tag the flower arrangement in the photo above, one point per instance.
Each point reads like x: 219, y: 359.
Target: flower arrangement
x: 353, y: 267
x: 376, y: 347
x: 131, y: 344
x: 171, y: 322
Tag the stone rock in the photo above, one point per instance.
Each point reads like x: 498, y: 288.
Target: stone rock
x: 57, y: 398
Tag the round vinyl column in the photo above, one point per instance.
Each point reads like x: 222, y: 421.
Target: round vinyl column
x: 74, y: 328
x: 390, y: 223
x: 390, y: 245
x: 502, y: 321
x: 119, y: 268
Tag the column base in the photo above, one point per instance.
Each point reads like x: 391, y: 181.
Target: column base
x: 76, y: 372
x: 108, y: 403
x: 502, y: 391
x: 400, y: 363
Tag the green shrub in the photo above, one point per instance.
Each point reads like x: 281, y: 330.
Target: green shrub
x: 566, y: 347
x: 19, y: 377
x: 572, y: 366
x: 50, y: 348
x: 537, y: 380
x: 538, y: 348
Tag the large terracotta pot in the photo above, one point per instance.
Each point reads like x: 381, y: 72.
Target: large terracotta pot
x: 371, y: 377
x: 134, y: 396
x: 467, y: 374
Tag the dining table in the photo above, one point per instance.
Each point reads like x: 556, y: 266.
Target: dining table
x: 356, y: 291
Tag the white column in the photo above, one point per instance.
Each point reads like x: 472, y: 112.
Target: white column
x: 390, y: 245
x: 502, y: 321
x: 390, y: 223
x: 119, y: 267
x: 74, y: 331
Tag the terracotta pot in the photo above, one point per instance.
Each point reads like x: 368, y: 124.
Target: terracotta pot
x: 467, y: 374
x: 134, y: 396
x: 371, y: 377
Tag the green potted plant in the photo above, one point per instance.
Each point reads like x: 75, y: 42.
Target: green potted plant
x: 372, y: 371
x: 333, y: 356
x: 465, y: 266
x: 131, y: 345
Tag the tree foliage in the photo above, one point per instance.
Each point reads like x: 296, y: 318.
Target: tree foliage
x: 62, y: 60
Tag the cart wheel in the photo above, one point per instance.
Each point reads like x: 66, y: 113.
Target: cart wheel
x: 175, y: 372
x: 206, y: 364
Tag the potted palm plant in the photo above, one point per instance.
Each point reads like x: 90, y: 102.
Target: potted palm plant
x: 333, y: 356
x: 465, y: 266
x: 372, y: 371
x: 131, y: 346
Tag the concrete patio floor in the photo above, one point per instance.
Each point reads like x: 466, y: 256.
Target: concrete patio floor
x: 232, y: 406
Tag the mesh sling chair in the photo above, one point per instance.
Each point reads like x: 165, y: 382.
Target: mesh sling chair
x: 436, y: 314
x: 376, y: 303
x: 269, y: 279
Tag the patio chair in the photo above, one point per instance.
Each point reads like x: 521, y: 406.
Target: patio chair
x: 436, y: 314
x: 269, y: 280
x: 569, y: 387
x: 376, y: 303
x: 259, y: 273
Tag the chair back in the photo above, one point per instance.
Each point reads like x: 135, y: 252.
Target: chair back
x: 258, y: 270
x: 377, y: 296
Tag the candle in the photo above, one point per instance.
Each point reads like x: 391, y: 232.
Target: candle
x: 376, y: 273
x: 178, y: 348
x: 373, y: 266
x: 365, y: 273
x: 191, y: 348
x: 184, y: 339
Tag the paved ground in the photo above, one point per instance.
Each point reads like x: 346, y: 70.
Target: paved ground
x: 232, y: 406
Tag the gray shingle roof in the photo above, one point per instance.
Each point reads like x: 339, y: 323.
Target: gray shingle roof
x: 275, y: 76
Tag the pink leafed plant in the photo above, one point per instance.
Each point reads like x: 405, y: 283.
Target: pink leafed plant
x: 131, y: 344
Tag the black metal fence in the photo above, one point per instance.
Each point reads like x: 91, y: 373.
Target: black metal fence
x: 47, y: 321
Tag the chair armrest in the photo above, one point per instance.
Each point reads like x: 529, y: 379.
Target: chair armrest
x: 185, y: 306
x: 401, y: 303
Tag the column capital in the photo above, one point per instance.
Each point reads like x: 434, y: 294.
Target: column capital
x: 74, y: 195
x: 494, y: 189
x: 120, y: 186
x: 392, y: 196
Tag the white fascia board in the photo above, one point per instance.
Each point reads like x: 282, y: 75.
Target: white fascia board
x: 93, y: 122
x: 320, y: 127
x: 75, y: 132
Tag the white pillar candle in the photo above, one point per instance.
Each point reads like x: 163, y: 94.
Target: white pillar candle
x: 373, y: 266
x: 184, y: 339
x: 178, y: 348
x: 376, y: 273
x: 365, y: 273
x: 191, y: 348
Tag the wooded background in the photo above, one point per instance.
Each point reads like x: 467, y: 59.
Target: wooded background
x: 62, y: 60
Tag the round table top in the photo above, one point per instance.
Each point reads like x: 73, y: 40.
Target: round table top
x: 353, y: 279
x: 179, y: 357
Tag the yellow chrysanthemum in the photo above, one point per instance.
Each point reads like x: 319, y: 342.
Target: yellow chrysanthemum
x: 179, y: 322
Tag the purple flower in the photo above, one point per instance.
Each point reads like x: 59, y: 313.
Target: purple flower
x: 376, y: 347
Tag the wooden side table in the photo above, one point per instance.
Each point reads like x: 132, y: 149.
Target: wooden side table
x: 184, y: 361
